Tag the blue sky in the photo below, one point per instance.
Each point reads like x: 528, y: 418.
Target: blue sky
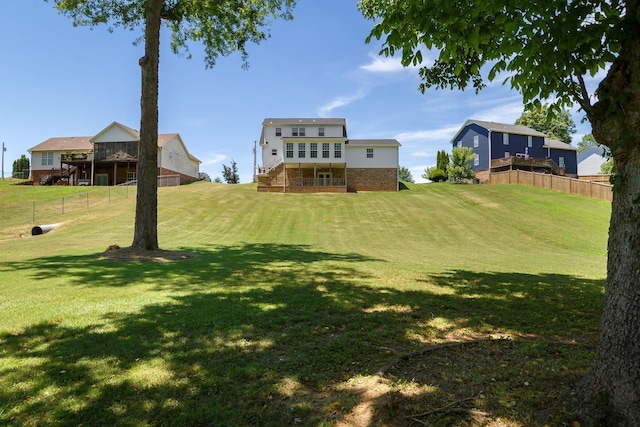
x: 57, y: 80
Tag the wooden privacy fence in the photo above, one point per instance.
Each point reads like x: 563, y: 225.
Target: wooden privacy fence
x: 596, y: 190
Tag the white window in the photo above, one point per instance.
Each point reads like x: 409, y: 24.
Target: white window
x: 476, y: 140
x: 476, y: 160
x: 337, y: 150
x: 507, y: 154
x: 325, y: 150
x: 320, y: 131
x: 131, y: 176
x: 274, y: 151
x: 302, y: 132
x: 289, y: 150
x: 529, y: 141
x: 313, y: 147
x: 302, y: 150
x: 561, y: 162
x: 47, y: 158
x: 505, y: 138
x: 294, y: 131
x: 278, y: 131
x: 369, y: 153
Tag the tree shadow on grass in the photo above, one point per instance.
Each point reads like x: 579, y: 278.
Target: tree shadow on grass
x: 542, y: 304
x: 267, y: 335
x: 245, y: 264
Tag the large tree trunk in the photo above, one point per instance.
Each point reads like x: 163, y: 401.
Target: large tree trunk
x: 145, y: 236
x: 610, y: 393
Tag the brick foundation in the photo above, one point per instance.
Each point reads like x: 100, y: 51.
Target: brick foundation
x: 184, y: 179
x: 36, y: 175
x: 374, y: 179
x: 357, y: 179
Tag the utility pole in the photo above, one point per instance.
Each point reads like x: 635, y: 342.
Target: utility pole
x: 3, y: 150
x: 255, y: 177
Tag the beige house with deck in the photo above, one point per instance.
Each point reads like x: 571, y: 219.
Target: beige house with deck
x: 109, y: 158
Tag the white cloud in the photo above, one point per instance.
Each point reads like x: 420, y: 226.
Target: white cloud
x: 212, y: 159
x: 506, y: 113
x: 326, y: 109
x: 385, y: 64
x: 380, y: 64
x: 440, y: 134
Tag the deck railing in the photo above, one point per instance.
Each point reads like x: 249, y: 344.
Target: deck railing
x: 263, y: 170
x: 317, y: 182
x: 71, y: 157
x: 529, y: 162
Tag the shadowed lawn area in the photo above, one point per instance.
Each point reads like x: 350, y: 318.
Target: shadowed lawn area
x: 301, y: 330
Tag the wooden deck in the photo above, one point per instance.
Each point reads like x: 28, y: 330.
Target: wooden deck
x: 533, y: 164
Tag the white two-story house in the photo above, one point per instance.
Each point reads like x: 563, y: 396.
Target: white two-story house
x: 308, y: 155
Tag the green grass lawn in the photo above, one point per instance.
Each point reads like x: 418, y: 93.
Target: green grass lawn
x: 437, y: 305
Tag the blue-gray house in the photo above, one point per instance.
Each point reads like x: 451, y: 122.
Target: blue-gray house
x: 501, y: 147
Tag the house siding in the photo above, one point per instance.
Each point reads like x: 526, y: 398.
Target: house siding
x: 591, y: 165
x: 36, y: 161
x: 270, y: 142
x: 517, y: 145
x: 482, y: 150
x: 570, y: 161
x: 174, y: 158
x: 383, y: 157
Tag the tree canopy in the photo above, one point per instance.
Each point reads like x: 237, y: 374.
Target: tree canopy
x: 230, y: 173
x: 587, y: 141
x: 558, y: 125
x: 404, y: 174
x: 461, y: 163
x: 439, y: 171
x: 21, y: 167
x: 222, y: 27
x: 548, y: 51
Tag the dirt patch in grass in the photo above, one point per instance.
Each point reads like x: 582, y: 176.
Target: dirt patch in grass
x: 116, y: 253
x: 489, y: 382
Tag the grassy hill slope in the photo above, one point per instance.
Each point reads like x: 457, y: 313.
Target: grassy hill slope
x: 293, y: 301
